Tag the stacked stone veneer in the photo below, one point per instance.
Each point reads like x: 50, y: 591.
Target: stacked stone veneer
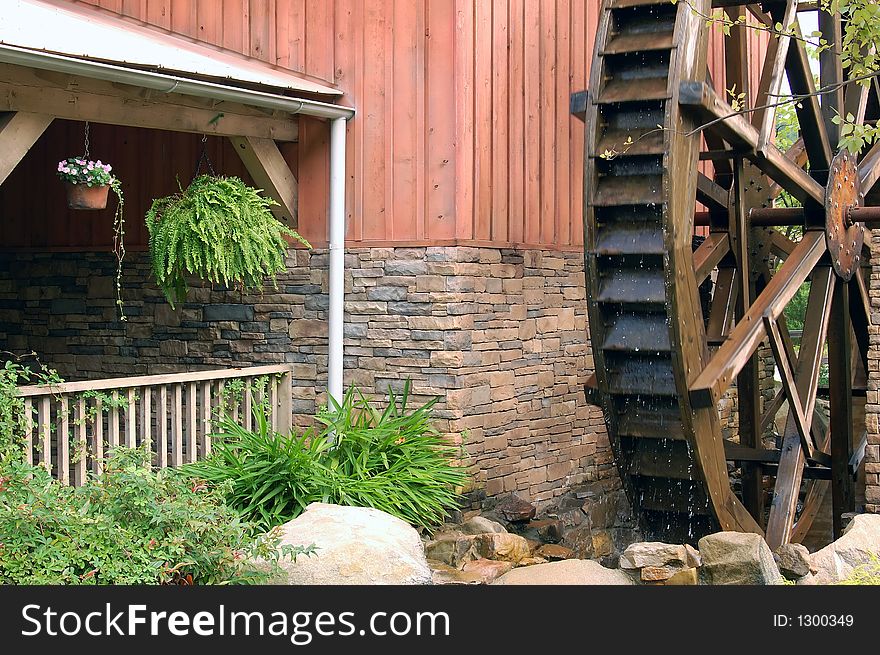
x: 872, y: 405
x: 499, y: 335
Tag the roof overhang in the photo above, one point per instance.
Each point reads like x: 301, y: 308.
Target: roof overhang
x: 49, y: 36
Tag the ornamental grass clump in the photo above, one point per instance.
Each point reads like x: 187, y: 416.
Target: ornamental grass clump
x: 220, y: 230
x: 392, y: 460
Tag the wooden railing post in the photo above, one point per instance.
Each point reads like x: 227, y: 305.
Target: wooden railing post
x: 284, y: 409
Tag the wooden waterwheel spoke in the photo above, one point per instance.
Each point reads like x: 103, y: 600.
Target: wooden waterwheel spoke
x: 860, y: 315
x: 793, y: 453
x: 809, y: 111
x: 721, y: 370
x: 737, y: 131
x: 723, y: 310
x: 831, y: 72
x: 773, y: 76
x: 869, y: 168
x: 783, y: 365
x: 840, y: 405
x: 713, y: 195
x: 709, y: 253
x: 856, y: 102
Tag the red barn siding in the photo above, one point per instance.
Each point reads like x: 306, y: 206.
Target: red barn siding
x: 462, y: 134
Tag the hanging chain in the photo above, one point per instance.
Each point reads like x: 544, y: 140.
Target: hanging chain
x: 87, y: 140
x: 203, y: 157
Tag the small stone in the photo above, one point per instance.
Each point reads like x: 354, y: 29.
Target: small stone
x: 443, y: 574
x: 658, y: 573
x: 451, y: 548
x: 693, y: 557
x: 603, y: 544
x: 602, y: 510
x: 481, y: 525
x: 554, y: 552
x: 488, y: 570
x: 793, y: 560
x: 683, y: 577
x: 502, y: 546
x: 531, y: 561
x: 515, y: 509
x: 549, y: 530
x: 653, y: 553
x: 580, y: 541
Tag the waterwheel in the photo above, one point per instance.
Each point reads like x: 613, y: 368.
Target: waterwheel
x: 666, y: 354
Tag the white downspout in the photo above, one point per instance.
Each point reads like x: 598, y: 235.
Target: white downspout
x: 337, y: 260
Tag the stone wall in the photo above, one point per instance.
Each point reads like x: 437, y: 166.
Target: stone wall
x: 499, y: 335
x: 872, y: 405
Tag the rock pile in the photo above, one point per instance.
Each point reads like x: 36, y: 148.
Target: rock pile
x: 365, y: 546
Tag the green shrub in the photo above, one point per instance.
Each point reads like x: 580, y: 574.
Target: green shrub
x: 393, y: 460
x: 130, y: 526
x: 12, y: 412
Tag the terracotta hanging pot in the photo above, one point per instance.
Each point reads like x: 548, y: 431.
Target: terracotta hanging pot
x: 83, y: 196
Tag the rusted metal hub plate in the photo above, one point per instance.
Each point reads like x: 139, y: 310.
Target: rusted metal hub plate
x: 843, y: 237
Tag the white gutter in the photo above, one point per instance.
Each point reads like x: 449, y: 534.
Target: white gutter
x: 337, y: 114
x: 169, y: 83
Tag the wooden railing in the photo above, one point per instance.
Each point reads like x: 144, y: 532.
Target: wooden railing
x: 70, y: 426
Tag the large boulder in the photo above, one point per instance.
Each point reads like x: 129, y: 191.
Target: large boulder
x: 859, y: 545
x: 354, y: 546
x: 737, y: 558
x: 565, y: 572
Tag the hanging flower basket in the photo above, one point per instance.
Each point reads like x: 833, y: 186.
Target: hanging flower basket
x: 88, y: 182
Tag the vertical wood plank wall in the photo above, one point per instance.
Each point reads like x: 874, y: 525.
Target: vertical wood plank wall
x: 463, y: 132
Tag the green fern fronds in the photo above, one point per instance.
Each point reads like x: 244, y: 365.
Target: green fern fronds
x: 220, y: 230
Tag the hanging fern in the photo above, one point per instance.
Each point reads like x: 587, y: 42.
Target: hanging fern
x: 218, y: 229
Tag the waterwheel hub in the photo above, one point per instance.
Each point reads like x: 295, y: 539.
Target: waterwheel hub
x: 843, y: 237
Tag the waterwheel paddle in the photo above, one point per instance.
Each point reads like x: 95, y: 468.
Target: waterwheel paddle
x: 653, y: 118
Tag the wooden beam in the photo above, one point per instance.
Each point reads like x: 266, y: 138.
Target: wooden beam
x: 831, y: 72
x: 809, y: 112
x: 869, y: 169
x: 796, y: 407
x: 18, y: 132
x: 736, y: 130
x: 771, y: 89
x: 713, y: 195
x: 840, y: 396
x: 709, y: 253
x: 723, y: 311
x: 860, y: 314
x: 722, y: 369
x: 78, y: 98
x: 271, y: 173
x: 793, y: 458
